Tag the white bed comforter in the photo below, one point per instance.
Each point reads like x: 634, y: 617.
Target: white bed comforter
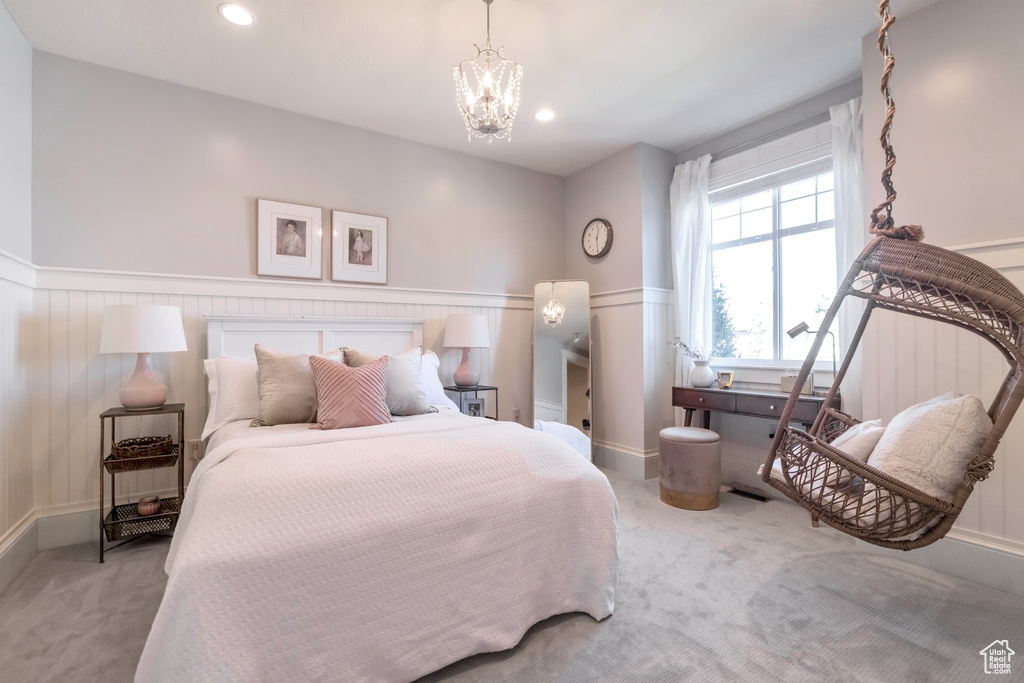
x: 379, y: 553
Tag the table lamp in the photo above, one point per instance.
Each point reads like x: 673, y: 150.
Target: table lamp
x: 466, y: 331
x: 142, y: 329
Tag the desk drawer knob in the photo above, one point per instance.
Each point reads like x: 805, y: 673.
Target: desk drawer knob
x: 701, y: 399
x: 771, y: 407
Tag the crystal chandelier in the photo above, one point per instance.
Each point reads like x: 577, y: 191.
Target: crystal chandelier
x: 553, y: 310
x: 487, y: 89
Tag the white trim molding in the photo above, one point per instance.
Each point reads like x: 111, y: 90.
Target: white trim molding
x: 17, y: 270
x: 87, y: 279
x: 627, y: 297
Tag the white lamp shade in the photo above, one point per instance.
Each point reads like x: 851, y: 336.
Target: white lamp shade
x: 131, y: 328
x: 466, y: 329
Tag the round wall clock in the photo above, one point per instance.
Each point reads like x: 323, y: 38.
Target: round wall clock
x: 597, y: 238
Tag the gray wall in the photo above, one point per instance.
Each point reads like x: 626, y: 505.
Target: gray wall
x: 134, y: 173
x: 15, y: 139
x: 777, y: 124
x: 958, y: 135
x: 657, y: 166
x: 609, y: 189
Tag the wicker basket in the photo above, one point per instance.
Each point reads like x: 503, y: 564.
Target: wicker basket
x: 124, y: 520
x: 142, y: 447
x: 116, y: 465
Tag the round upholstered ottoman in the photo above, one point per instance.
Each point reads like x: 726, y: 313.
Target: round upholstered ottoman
x: 690, y: 466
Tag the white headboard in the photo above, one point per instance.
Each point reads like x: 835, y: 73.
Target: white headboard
x: 236, y: 335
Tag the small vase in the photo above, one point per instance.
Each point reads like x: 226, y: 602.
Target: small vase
x: 702, y: 376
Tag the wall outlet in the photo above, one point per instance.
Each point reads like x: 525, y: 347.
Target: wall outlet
x: 196, y: 450
x: 515, y: 414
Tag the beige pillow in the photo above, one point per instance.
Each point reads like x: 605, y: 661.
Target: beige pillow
x: 405, y: 392
x: 928, y: 446
x: 287, y: 389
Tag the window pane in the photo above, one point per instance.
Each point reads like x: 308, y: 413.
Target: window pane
x: 725, y: 229
x: 757, y: 222
x: 725, y: 210
x: 808, y: 284
x: 825, y: 182
x: 742, y: 300
x: 826, y: 206
x: 799, y: 189
x: 757, y: 201
x: 797, y: 212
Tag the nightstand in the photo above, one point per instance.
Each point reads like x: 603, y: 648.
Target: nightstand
x: 122, y: 522
x: 463, y: 394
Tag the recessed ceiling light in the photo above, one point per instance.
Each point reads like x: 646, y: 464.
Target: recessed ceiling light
x: 544, y: 115
x: 236, y: 14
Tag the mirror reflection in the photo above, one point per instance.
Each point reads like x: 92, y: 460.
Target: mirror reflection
x: 561, y: 361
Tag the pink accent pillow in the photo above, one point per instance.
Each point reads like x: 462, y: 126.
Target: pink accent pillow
x: 350, y: 397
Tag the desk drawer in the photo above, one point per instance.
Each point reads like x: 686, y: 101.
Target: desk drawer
x: 768, y: 406
x: 760, y: 405
x: 706, y: 400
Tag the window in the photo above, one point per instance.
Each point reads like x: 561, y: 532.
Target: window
x: 773, y: 263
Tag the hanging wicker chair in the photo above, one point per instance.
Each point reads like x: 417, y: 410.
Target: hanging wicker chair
x: 916, y: 279
x: 899, y: 273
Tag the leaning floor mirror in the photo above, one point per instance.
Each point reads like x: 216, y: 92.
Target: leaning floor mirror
x: 561, y: 362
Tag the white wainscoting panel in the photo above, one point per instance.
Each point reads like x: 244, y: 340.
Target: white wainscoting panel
x: 72, y: 382
x: 659, y: 366
x: 16, y: 344
x: 617, y: 367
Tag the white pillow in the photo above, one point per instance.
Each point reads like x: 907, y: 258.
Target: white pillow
x: 432, y: 382
x: 857, y: 442
x: 234, y: 391
x: 928, y: 446
x: 405, y: 392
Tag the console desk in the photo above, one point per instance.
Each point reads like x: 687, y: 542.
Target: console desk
x: 742, y: 402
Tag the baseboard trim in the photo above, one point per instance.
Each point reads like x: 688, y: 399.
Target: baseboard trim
x: 51, y: 527
x: 632, y: 462
x: 17, y: 548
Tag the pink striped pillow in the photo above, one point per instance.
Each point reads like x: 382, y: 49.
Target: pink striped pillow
x: 350, y: 397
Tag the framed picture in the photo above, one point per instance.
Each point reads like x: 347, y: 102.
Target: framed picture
x: 474, y: 407
x: 359, y: 248
x: 725, y: 379
x: 289, y: 240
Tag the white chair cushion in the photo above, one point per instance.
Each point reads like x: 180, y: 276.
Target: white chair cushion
x: 929, y: 445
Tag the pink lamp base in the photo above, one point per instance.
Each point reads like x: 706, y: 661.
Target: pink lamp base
x: 465, y: 376
x: 144, y: 390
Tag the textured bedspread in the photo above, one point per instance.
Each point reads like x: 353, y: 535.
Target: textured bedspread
x: 379, y: 553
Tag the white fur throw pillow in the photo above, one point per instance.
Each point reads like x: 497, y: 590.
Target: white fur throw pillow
x: 928, y: 446
x: 405, y: 394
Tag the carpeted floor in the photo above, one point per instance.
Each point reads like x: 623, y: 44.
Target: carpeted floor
x: 748, y: 592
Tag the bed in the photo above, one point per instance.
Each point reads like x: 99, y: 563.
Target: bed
x: 376, y: 553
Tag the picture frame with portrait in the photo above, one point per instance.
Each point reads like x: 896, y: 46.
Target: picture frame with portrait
x: 475, y: 407
x: 359, y: 248
x: 289, y: 240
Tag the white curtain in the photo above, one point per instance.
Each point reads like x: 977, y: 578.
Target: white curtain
x: 851, y: 229
x: 691, y: 257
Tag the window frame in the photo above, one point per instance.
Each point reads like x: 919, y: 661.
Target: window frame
x: 775, y: 363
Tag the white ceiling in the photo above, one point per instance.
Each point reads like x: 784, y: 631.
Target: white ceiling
x: 672, y: 73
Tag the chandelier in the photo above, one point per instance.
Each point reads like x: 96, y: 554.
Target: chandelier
x: 553, y: 310
x: 487, y: 90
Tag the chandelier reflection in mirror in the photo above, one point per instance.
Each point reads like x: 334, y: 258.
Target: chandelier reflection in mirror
x: 487, y: 89
x: 553, y: 311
